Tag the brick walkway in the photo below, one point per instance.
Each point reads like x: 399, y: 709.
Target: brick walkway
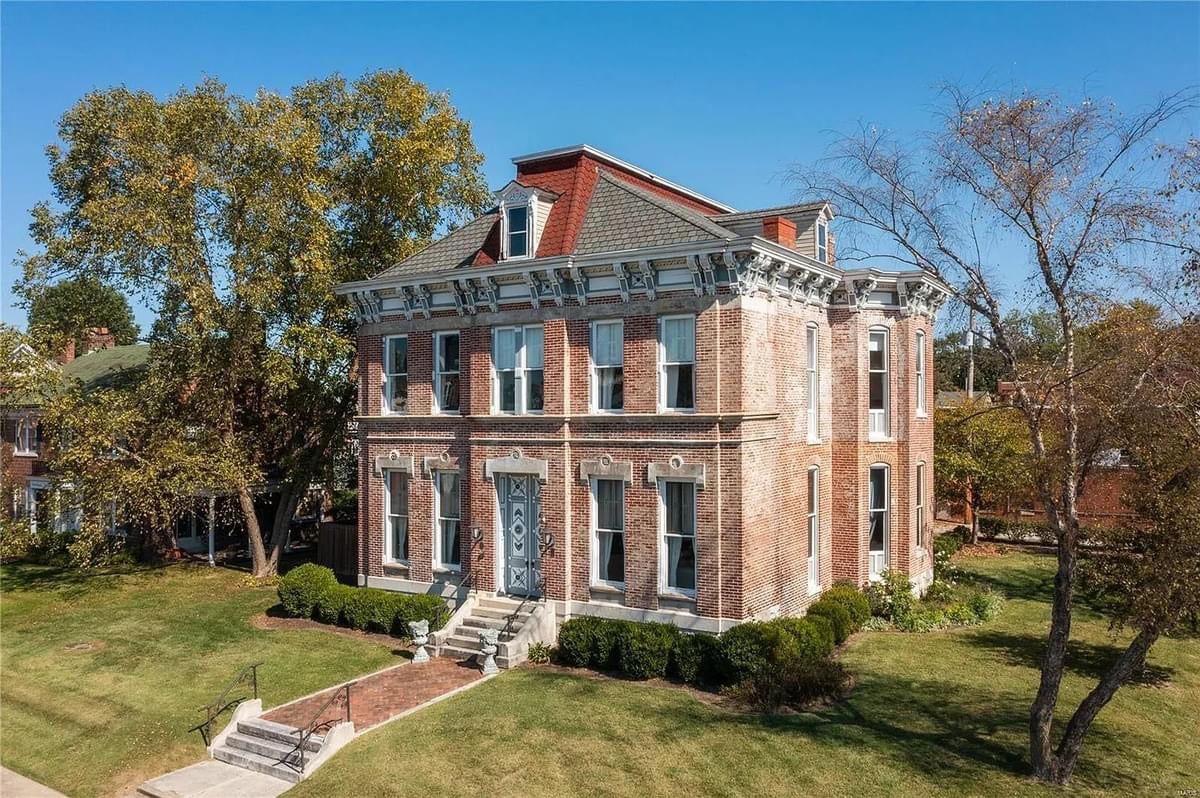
x: 383, y: 695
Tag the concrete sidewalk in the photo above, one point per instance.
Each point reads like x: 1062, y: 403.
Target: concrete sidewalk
x: 14, y: 785
x: 212, y: 779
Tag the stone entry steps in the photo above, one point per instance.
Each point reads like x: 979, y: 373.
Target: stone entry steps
x: 267, y: 747
x: 508, y: 615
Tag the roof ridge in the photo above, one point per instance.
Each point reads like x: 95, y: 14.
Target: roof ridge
x: 694, y: 218
x: 814, y: 205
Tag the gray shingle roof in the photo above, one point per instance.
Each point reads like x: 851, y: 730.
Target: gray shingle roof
x: 778, y: 210
x: 621, y: 216
x: 456, y: 250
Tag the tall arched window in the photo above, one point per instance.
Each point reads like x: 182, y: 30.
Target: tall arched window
x: 878, y: 521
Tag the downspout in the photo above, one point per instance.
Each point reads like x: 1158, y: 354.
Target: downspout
x: 720, y: 527
x: 567, y: 542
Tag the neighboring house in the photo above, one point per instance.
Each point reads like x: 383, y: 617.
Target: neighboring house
x: 26, y: 478
x: 631, y: 400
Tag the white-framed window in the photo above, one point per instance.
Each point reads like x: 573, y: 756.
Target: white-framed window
x: 814, y: 383
x: 878, y: 521
x: 608, y: 365
x: 920, y: 505
x: 677, y: 363
x: 678, y: 557
x: 518, y: 375
x: 516, y: 231
x: 448, y: 512
x: 823, y: 242
x: 814, y: 529
x: 608, y: 533
x: 26, y: 442
x: 396, y: 522
x: 395, y: 374
x: 445, y: 372
x: 877, y: 390
x: 920, y: 373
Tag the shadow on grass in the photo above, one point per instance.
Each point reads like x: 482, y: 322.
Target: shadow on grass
x: 1085, y: 659
x: 34, y: 577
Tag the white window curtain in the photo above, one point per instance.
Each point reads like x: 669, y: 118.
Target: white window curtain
x: 397, y: 515
x: 396, y: 375
x: 679, y: 499
x: 679, y: 356
x: 448, y: 509
x: 610, y: 531
x: 608, y: 359
x: 446, y: 372
x: 534, y: 395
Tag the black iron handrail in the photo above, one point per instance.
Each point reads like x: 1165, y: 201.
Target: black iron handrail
x: 316, y: 722
x: 213, y: 710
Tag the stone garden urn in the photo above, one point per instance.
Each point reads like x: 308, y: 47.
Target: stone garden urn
x: 420, y: 636
x: 488, y: 645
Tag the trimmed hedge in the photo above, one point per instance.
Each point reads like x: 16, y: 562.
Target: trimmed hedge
x: 852, y: 599
x: 839, y: 618
x: 311, y: 589
x: 644, y: 649
x: 302, y: 588
x: 694, y: 658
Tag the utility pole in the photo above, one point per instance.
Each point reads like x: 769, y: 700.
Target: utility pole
x: 971, y: 354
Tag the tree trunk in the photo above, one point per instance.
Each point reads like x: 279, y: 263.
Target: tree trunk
x: 974, y: 504
x: 258, y: 554
x: 1041, y: 713
x: 1131, y: 661
x: 289, y: 497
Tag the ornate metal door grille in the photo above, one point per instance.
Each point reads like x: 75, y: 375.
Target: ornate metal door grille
x: 520, y: 512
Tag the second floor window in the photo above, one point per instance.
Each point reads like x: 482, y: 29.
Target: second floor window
x: 397, y: 516
x: 27, y: 437
x: 814, y: 386
x: 877, y: 400
x: 519, y: 376
x: 921, y: 373
x: 448, y: 553
x: 395, y: 374
x: 677, y: 355
x: 608, y: 365
x: 518, y: 231
x: 445, y: 372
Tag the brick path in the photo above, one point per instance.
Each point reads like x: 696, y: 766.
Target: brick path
x: 375, y: 698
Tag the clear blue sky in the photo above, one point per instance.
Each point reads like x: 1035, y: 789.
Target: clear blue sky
x: 721, y: 98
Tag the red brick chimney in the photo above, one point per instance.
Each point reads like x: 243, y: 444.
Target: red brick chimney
x: 96, y: 338
x: 68, y: 352
x: 780, y: 230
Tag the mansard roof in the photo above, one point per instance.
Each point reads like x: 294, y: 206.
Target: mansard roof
x: 458, y: 249
x: 621, y: 216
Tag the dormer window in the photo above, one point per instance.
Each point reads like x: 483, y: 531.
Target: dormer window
x: 523, y: 214
x: 518, y: 231
x: 823, y: 241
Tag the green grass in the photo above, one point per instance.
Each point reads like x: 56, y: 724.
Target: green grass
x: 940, y: 713
x: 166, y: 640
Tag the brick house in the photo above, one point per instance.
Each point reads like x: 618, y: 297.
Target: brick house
x: 627, y: 399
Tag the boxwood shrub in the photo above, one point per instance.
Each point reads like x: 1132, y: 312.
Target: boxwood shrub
x: 852, y: 599
x: 644, y: 649
x: 302, y: 587
x: 694, y: 659
x: 839, y: 618
x: 330, y: 605
x: 814, y: 639
x: 575, y: 641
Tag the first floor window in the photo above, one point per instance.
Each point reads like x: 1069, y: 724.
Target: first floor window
x: 608, y: 365
x: 445, y: 372
x: 395, y: 374
x: 814, y: 533
x: 677, y: 355
x: 610, y: 531
x: 878, y: 520
x: 679, y: 536
x: 397, y: 516
x: 448, y: 515
x: 920, y: 502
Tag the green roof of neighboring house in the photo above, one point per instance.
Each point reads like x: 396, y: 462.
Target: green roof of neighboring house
x: 97, y: 369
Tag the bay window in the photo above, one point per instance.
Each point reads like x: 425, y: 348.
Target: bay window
x: 518, y: 376
x: 877, y: 368
x: 877, y: 521
x: 608, y: 365
x: 608, y: 518
x: 396, y: 502
x: 445, y: 372
x: 447, y: 498
x: 677, y: 359
x: 920, y: 373
x: 395, y: 374
x: 678, y: 565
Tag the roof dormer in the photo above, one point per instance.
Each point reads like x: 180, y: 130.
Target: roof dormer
x: 523, y: 213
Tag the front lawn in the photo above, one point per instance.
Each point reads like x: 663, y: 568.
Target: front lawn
x: 936, y: 713
x: 101, y: 674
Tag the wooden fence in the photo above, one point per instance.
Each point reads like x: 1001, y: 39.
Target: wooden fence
x: 337, y: 548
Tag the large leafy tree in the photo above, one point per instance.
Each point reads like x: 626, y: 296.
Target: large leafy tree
x: 1078, y: 188
x: 63, y: 312
x: 981, y: 453
x: 233, y: 218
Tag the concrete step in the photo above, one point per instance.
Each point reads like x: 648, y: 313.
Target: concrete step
x: 511, y: 605
x: 256, y: 762
x: 485, y: 622
x: 280, y: 752
x: 500, y: 613
x: 278, y: 733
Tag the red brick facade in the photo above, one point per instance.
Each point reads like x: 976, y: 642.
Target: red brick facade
x: 749, y: 433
